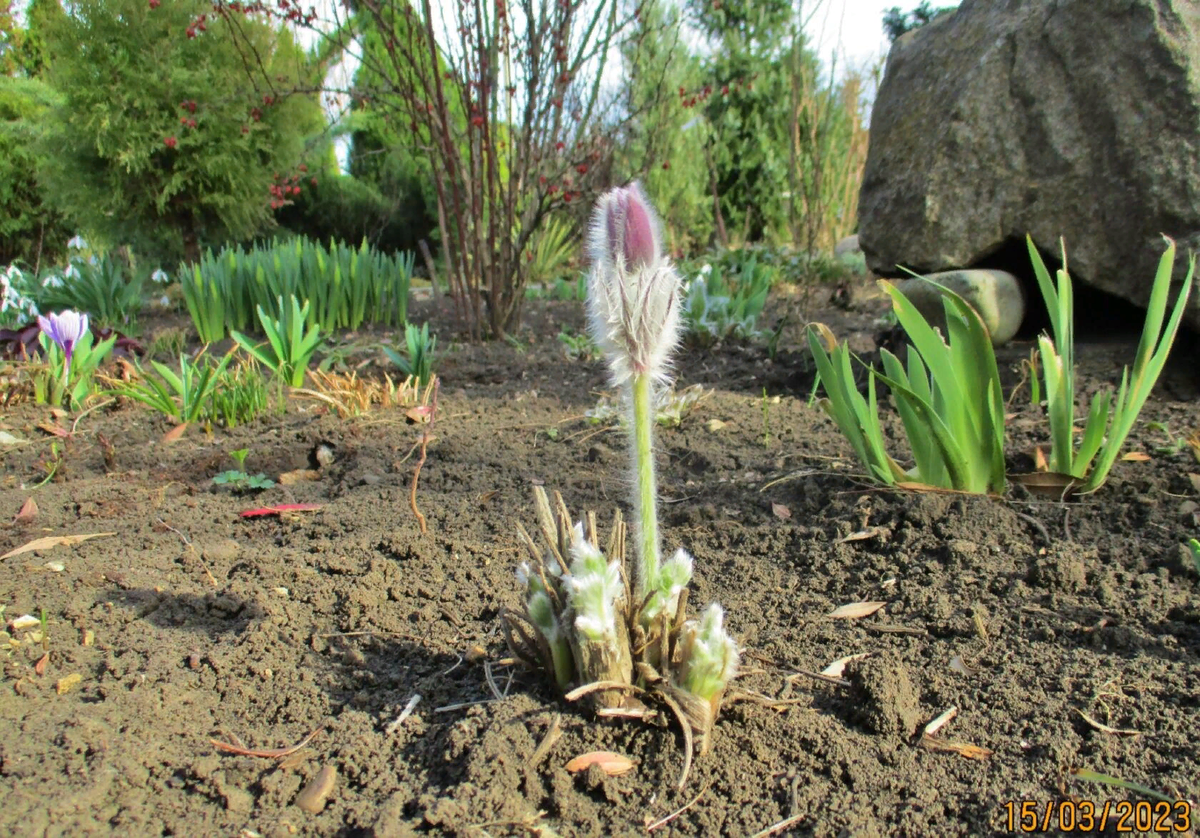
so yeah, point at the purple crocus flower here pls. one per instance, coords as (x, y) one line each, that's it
(65, 329)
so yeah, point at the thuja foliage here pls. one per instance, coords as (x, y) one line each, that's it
(30, 229)
(175, 120)
(897, 22)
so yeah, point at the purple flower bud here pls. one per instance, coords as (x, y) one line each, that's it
(633, 289)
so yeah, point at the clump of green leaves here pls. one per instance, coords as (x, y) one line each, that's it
(417, 359)
(107, 287)
(184, 396)
(1109, 421)
(578, 346)
(343, 286)
(948, 396)
(167, 343)
(719, 306)
(240, 395)
(289, 347)
(238, 480)
(553, 248)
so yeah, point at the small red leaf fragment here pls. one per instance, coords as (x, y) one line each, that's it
(29, 511)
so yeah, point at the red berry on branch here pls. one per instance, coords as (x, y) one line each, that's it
(567, 197)
(169, 142)
(245, 129)
(581, 168)
(666, 164)
(560, 145)
(191, 33)
(313, 181)
(302, 167)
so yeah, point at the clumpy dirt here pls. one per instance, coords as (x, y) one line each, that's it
(186, 623)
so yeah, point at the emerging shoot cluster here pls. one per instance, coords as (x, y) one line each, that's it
(607, 628)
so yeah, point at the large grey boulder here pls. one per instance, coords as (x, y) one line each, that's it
(1077, 119)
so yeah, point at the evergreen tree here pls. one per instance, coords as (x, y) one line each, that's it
(177, 127)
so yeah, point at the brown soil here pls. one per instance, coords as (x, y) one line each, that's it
(189, 623)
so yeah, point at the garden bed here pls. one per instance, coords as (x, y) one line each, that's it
(1047, 625)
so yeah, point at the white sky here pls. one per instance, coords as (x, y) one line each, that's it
(854, 28)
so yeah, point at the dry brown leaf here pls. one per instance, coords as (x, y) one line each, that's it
(835, 669)
(59, 413)
(312, 799)
(68, 683)
(862, 535)
(46, 542)
(780, 511)
(611, 764)
(1039, 460)
(54, 430)
(29, 511)
(714, 425)
(40, 666)
(825, 334)
(300, 475)
(1103, 728)
(175, 434)
(1136, 457)
(963, 749)
(1048, 483)
(419, 415)
(1195, 481)
(854, 610)
(1193, 441)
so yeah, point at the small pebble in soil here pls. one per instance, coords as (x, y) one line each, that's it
(314, 796)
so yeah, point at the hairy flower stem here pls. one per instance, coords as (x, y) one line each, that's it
(644, 574)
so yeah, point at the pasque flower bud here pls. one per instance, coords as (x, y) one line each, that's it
(633, 289)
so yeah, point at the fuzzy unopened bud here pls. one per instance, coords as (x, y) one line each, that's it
(593, 586)
(633, 304)
(708, 656)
